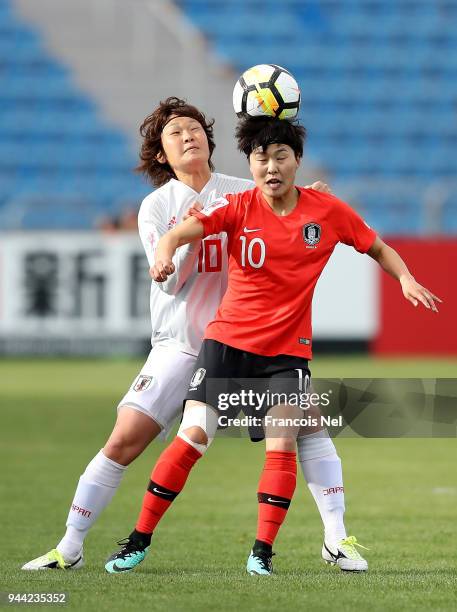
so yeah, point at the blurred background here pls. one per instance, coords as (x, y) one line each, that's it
(379, 91)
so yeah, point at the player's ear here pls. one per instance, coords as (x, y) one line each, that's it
(161, 158)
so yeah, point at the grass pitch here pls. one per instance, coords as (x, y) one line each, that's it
(401, 498)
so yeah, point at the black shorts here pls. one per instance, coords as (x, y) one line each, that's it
(231, 380)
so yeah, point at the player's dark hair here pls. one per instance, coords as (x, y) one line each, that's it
(254, 132)
(151, 131)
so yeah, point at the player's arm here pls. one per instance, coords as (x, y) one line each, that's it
(219, 217)
(393, 264)
(186, 232)
(152, 224)
(184, 262)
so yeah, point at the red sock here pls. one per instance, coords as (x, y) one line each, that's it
(276, 488)
(167, 480)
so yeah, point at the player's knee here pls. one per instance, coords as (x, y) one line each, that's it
(198, 426)
(115, 451)
(197, 435)
(131, 435)
(286, 445)
(122, 449)
(192, 435)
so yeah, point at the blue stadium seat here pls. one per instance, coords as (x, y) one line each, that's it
(61, 165)
(39, 212)
(378, 80)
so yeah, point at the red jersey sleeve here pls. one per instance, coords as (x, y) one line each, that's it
(219, 217)
(352, 229)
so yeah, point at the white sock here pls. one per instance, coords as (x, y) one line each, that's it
(321, 468)
(94, 492)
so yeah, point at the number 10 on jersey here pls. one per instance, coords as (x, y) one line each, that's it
(254, 250)
(210, 254)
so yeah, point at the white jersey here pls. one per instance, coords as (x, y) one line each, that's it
(183, 305)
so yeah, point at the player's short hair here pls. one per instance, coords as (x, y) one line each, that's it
(151, 131)
(254, 132)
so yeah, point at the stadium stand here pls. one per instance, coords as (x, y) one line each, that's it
(379, 89)
(61, 164)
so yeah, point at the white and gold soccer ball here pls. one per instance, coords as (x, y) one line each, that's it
(266, 90)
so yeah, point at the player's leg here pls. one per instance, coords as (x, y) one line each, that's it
(151, 404)
(322, 470)
(172, 469)
(196, 432)
(102, 477)
(97, 486)
(276, 486)
(168, 477)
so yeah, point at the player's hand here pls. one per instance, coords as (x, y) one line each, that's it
(197, 207)
(415, 293)
(161, 270)
(319, 186)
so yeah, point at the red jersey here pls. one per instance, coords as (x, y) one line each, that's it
(274, 265)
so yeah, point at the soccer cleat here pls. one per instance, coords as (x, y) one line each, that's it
(260, 564)
(345, 555)
(126, 559)
(53, 560)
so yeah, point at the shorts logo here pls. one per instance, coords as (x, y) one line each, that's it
(311, 233)
(198, 377)
(142, 383)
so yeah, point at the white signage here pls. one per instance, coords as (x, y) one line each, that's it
(90, 292)
(73, 285)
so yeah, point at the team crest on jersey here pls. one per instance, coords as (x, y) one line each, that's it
(311, 233)
(142, 383)
(198, 377)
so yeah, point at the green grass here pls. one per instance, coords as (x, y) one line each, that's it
(401, 499)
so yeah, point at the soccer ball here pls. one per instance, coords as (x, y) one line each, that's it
(266, 90)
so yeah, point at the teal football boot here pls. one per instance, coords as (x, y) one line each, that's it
(127, 558)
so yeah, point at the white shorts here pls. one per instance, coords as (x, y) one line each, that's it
(161, 386)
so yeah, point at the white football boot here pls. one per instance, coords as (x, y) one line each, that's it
(345, 555)
(53, 560)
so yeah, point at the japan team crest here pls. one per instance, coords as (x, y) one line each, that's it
(142, 383)
(311, 233)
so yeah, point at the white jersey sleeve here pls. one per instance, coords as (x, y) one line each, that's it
(182, 307)
(152, 225)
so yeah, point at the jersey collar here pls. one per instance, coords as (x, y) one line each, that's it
(300, 201)
(206, 187)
